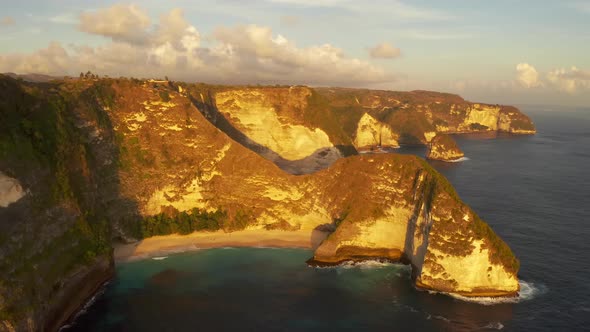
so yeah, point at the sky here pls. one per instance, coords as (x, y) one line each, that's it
(516, 52)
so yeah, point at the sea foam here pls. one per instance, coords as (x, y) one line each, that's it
(458, 160)
(528, 291)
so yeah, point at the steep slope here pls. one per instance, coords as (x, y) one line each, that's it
(54, 234)
(305, 129)
(398, 207)
(371, 133)
(87, 161)
(418, 115)
(444, 148)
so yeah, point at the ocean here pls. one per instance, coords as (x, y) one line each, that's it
(533, 190)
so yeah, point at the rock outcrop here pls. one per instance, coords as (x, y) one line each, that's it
(371, 133)
(414, 216)
(10, 190)
(121, 159)
(254, 113)
(296, 127)
(444, 148)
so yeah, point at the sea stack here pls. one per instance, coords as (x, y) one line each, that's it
(444, 148)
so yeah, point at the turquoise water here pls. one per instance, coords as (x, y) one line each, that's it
(258, 289)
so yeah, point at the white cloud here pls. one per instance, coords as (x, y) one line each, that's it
(384, 51)
(527, 75)
(570, 81)
(241, 54)
(119, 22)
(51, 60)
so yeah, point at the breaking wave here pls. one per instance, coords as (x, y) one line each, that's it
(365, 265)
(159, 258)
(370, 264)
(528, 291)
(459, 160)
(494, 326)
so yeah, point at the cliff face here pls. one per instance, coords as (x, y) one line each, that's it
(371, 133)
(84, 162)
(303, 130)
(444, 148)
(55, 184)
(417, 116)
(409, 212)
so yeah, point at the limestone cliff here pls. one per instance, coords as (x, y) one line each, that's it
(444, 148)
(371, 133)
(418, 115)
(410, 213)
(85, 162)
(304, 130)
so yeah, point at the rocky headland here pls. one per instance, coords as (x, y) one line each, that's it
(88, 163)
(444, 148)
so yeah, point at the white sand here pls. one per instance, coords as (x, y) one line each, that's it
(163, 245)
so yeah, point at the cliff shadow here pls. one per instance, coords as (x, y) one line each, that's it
(318, 160)
(414, 255)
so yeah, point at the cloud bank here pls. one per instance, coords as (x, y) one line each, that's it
(173, 47)
(527, 75)
(571, 80)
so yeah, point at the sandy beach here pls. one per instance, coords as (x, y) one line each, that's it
(163, 245)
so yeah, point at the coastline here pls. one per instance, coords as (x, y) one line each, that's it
(175, 243)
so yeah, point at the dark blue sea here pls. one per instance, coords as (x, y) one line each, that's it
(533, 190)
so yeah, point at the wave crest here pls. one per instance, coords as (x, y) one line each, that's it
(459, 160)
(528, 291)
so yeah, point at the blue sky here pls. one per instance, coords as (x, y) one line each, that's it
(491, 51)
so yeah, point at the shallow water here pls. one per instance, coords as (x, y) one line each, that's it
(533, 190)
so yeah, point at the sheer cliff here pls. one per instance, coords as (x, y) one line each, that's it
(87, 162)
(305, 129)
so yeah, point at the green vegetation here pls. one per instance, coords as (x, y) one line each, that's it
(410, 124)
(182, 222)
(164, 95)
(171, 221)
(500, 252)
(40, 143)
(131, 153)
(339, 122)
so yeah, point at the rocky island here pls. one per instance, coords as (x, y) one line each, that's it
(444, 148)
(90, 162)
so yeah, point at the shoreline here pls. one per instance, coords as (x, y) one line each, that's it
(169, 244)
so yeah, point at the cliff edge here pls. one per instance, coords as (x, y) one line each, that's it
(85, 163)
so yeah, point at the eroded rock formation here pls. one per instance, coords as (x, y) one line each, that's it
(294, 122)
(372, 133)
(444, 148)
(113, 158)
